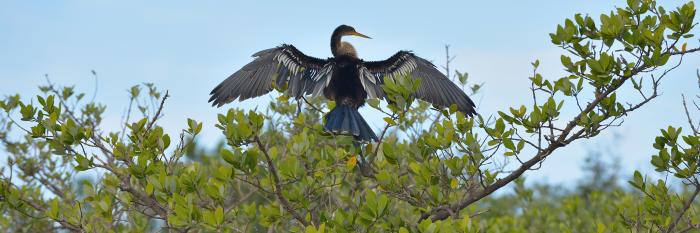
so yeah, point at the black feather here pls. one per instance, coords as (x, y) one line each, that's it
(255, 78)
(435, 87)
(345, 119)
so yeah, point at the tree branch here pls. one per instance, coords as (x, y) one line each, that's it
(278, 188)
(160, 108)
(439, 213)
(686, 206)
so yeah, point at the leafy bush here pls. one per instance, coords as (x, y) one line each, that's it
(432, 171)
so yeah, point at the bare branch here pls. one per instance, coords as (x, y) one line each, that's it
(157, 115)
(686, 206)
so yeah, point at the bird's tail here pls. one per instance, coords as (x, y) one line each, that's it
(345, 119)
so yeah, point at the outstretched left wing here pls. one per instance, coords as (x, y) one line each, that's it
(285, 66)
(435, 87)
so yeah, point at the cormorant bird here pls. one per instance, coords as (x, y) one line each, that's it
(344, 78)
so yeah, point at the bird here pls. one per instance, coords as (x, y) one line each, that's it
(343, 78)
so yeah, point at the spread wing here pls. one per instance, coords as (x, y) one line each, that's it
(434, 88)
(284, 66)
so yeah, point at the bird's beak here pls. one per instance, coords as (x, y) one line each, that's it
(360, 35)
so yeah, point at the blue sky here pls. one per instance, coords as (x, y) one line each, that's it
(188, 48)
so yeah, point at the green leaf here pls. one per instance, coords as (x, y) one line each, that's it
(601, 228)
(508, 144)
(638, 181)
(389, 121)
(500, 126)
(388, 152)
(83, 163)
(219, 215)
(53, 209)
(229, 157)
(149, 189)
(213, 191)
(373, 102)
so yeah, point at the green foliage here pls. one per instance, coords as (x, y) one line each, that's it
(433, 169)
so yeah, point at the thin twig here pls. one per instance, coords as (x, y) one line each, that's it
(160, 108)
(687, 114)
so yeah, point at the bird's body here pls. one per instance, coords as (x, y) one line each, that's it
(345, 86)
(343, 78)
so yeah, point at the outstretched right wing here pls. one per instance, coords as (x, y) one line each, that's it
(435, 87)
(285, 66)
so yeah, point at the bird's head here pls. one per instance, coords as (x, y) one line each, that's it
(345, 30)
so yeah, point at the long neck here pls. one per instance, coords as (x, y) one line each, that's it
(335, 44)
